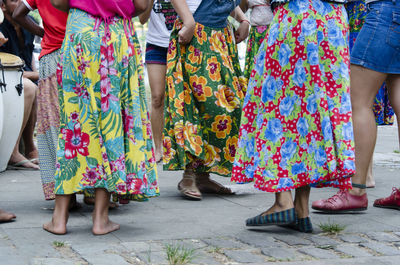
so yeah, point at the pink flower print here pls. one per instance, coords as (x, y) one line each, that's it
(76, 141)
(74, 116)
(105, 157)
(121, 188)
(127, 119)
(59, 74)
(91, 176)
(79, 50)
(105, 88)
(82, 65)
(125, 61)
(136, 186)
(78, 89)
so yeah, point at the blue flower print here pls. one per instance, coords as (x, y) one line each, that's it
(335, 35)
(312, 54)
(349, 164)
(299, 76)
(273, 35)
(298, 168)
(288, 149)
(347, 131)
(320, 156)
(327, 129)
(285, 183)
(321, 7)
(250, 147)
(308, 26)
(315, 176)
(345, 104)
(331, 104)
(249, 171)
(284, 54)
(269, 89)
(302, 126)
(348, 153)
(274, 130)
(298, 7)
(287, 105)
(260, 120)
(268, 175)
(312, 104)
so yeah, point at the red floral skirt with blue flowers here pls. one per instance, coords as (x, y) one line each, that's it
(296, 126)
(105, 139)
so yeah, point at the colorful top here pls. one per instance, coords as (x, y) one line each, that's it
(162, 18)
(54, 22)
(274, 3)
(261, 13)
(105, 8)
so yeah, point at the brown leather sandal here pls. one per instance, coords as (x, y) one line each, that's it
(189, 192)
(220, 189)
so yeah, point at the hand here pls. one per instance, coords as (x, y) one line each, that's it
(185, 35)
(2, 39)
(242, 31)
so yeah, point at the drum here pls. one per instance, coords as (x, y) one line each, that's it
(11, 104)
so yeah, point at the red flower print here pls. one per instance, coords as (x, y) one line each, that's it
(75, 141)
(91, 176)
(74, 116)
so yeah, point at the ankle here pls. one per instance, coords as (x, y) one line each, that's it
(357, 191)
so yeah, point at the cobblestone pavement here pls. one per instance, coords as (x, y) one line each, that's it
(213, 228)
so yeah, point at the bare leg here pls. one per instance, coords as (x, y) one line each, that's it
(58, 224)
(283, 201)
(29, 98)
(365, 84)
(301, 201)
(370, 176)
(90, 201)
(6, 217)
(394, 98)
(27, 134)
(101, 223)
(207, 185)
(156, 73)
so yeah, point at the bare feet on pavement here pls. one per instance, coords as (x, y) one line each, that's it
(6, 216)
(102, 226)
(56, 226)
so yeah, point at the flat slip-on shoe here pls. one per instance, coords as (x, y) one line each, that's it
(279, 218)
(303, 225)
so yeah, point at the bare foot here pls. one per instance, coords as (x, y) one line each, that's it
(6, 217)
(158, 157)
(33, 156)
(103, 226)
(58, 227)
(207, 185)
(90, 201)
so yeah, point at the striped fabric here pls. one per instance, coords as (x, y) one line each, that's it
(279, 218)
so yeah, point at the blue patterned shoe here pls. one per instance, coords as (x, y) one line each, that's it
(301, 224)
(279, 218)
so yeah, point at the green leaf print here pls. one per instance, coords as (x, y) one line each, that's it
(73, 100)
(69, 168)
(92, 162)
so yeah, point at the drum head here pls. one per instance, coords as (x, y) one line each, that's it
(1, 16)
(8, 60)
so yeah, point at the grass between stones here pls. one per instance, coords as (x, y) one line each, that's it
(331, 228)
(179, 255)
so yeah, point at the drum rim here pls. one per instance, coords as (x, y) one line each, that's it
(17, 64)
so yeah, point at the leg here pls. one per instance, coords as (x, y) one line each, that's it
(394, 97)
(156, 73)
(187, 186)
(283, 201)
(301, 200)
(207, 185)
(101, 223)
(6, 217)
(29, 98)
(370, 177)
(31, 151)
(365, 84)
(58, 224)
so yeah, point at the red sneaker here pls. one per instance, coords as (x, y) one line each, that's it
(393, 201)
(342, 202)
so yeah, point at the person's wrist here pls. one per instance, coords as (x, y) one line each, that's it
(244, 20)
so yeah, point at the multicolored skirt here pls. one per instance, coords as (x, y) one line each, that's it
(296, 127)
(256, 36)
(203, 99)
(105, 138)
(48, 121)
(384, 114)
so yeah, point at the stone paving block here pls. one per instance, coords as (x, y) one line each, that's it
(105, 259)
(187, 243)
(349, 238)
(13, 259)
(280, 253)
(257, 240)
(318, 253)
(293, 240)
(137, 247)
(322, 240)
(204, 258)
(243, 256)
(383, 237)
(224, 242)
(52, 261)
(153, 257)
(353, 251)
(381, 248)
(97, 248)
(397, 233)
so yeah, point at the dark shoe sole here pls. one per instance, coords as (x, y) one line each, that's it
(388, 207)
(341, 211)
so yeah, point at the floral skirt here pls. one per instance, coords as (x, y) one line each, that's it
(384, 114)
(204, 92)
(256, 36)
(296, 127)
(105, 138)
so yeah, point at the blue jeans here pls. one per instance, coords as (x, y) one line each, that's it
(378, 45)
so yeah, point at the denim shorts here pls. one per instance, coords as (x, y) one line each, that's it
(378, 44)
(155, 54)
